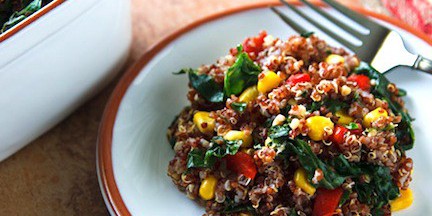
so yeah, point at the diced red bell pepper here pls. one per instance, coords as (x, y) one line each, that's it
(241, 163)
(363, 81)
(298, 78)
(254, 44)
(338, 134)
(326, 201)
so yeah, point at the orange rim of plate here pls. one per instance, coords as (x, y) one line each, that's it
(36, 15)
(105, 167)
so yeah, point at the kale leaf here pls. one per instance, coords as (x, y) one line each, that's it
(200, 158)
(376, 191)
(239, 208)
(344, 168)
(19, 16)
(345, 197)
(232, 207)
(242, 74)
(239, 107)
(196, 159)
(183, 71)
(402, 92)
(205, 85)
(404, 131)
(310, 162)
(307, 34)
(293, 212)
(352, 126)
(379, 188)
(172, 142)
(279, 131)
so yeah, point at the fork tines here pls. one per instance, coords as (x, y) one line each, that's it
(347, 12)
(289, 21)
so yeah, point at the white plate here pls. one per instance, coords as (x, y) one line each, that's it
(136, 180)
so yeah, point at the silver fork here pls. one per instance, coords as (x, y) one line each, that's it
(381, 47)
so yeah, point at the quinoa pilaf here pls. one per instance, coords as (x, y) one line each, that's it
(293, 127)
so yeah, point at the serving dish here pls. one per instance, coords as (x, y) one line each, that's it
(133, 152)
(56, 59)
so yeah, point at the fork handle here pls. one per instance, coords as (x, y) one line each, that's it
(423, 64)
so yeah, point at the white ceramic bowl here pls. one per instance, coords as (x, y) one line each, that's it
(133, 152)
(55, 60)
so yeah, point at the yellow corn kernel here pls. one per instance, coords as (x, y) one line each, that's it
(373, 116)
(302, 182)
(345, 90)
(318, 125)
(267, 141)
(208, 187)
(334, 59)
(292, 101)
(203, 121)
(249, 94)
(269, 81)
(239, 135)
(404, 201)
(344, 118)
(278, 120)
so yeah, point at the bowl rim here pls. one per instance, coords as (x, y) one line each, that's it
(36, 15)
(104, 164)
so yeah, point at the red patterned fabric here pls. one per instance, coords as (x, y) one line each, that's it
(417, 13)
